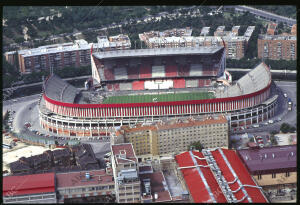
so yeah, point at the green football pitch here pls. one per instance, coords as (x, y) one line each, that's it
(158, 98)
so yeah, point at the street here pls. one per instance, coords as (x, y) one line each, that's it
(286, 116)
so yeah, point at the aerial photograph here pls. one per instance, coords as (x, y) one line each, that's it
(149, 104)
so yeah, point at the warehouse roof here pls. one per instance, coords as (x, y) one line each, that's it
(270, 159)
(202, 181)
(28, 184)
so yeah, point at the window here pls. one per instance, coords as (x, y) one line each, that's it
(287, 174)
(259, 177)
(273, 175)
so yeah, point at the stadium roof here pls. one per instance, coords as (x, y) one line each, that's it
(28, 184)
(203, 50)
(203, 183)
(270, 160)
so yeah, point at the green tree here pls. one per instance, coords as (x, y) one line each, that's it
(273, 140)
(197, 145)
(285, 127)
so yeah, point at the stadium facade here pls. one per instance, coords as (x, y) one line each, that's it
(146, 85)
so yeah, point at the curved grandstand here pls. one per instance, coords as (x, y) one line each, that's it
(133, 98)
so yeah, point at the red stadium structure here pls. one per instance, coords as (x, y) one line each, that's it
(79, 114)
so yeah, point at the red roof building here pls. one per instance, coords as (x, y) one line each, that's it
(124, 151)
(27, 186)
(218, 176)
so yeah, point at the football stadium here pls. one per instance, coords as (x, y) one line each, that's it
(148, 85)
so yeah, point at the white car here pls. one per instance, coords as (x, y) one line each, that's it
(285, 95)
(256, 125)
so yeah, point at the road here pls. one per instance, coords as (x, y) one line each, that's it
(286, 116)
(265, 14)
(39, 83)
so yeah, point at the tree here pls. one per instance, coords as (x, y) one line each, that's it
(285, 127)
(197, 145)
(273, 140)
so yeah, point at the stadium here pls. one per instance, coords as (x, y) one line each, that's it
(147, 85)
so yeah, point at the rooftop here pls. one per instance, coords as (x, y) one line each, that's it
(78, 179)
(270, 159)
(124, 151)
(178, 124)
(202, 181)
(277, 37)
(56, 48)
(204, 50)
(28, 184)
(158, 185)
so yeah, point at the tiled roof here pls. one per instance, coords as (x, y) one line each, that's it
(28, 184)
(191, 123)
(120, 148)
(270, 159)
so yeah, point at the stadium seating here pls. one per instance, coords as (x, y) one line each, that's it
(120, 73)
(201, 83)
(133, 73)
(125, 86)
(191, 83)
(109, 87)
(57, 89)
(158, 71)
(145, 71)
(108, 74)
(179, 83)
(207, 82)
(183, 71)
(138, 85)
(116, 86)
(196, 70)
(171, 71)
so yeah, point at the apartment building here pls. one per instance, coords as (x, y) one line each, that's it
(93, 184)
(277, 47)
(176, 136)
(125, 171)
(235, 45)
(80, 157)
(294, 30)
(167, 33)
(55, 56)
(271, 29)
(219, 31)
(204, 31)
(30, 189)
(11, 57)
(118, 42)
